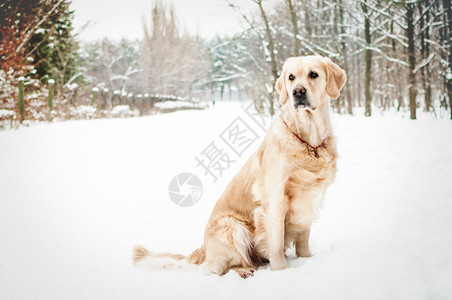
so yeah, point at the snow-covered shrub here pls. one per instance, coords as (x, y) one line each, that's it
(35, 97)
(178, 105)
(123, 111)
(83, 112)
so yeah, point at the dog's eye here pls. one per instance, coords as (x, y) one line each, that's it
(291, 77)
(313, 75)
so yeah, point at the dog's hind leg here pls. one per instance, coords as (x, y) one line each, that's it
(228, 246)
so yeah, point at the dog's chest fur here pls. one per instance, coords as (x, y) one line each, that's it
(307, 181)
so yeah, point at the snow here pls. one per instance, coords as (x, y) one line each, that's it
(167, 105)
(449, 75)
(77, 195)
(83, 112)
(122, 111)
(6, 113)
(40, 30)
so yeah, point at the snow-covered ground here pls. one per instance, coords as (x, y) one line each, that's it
(76, 196)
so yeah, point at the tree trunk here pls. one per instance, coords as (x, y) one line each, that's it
(271, 49)
(447, 6)
(358, 92)
(411, 59)
(428, 78)
(307, 18)
(425, 52)
(345, 57)
(368, 61)
(293, 15)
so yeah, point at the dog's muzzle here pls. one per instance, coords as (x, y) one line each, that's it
(300, 98)
(301, 102)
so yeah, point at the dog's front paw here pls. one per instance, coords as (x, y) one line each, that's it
(279, 265)
(304, 253)
(245, 272)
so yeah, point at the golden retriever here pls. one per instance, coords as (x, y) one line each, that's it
(272, 202)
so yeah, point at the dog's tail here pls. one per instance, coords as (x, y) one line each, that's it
(166, 261)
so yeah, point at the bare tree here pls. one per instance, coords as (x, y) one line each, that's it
(293, 18)
(397, 39)
(410, 8)
(171, 62)
(368, 59)
(424, 29)
(448, 38)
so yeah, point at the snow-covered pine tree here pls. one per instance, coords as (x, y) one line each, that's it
(53, 45)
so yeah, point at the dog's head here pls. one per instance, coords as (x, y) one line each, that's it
(306, 82)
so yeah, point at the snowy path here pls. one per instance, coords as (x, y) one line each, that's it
(76, 196)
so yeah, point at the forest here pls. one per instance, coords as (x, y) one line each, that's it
(397, 55)
(107, 143)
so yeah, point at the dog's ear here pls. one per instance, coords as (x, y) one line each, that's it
(282, 91)
(335, 79)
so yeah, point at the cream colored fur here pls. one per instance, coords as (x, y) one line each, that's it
(271, 203)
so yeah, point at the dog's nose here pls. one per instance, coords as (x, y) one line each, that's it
(299, 91)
